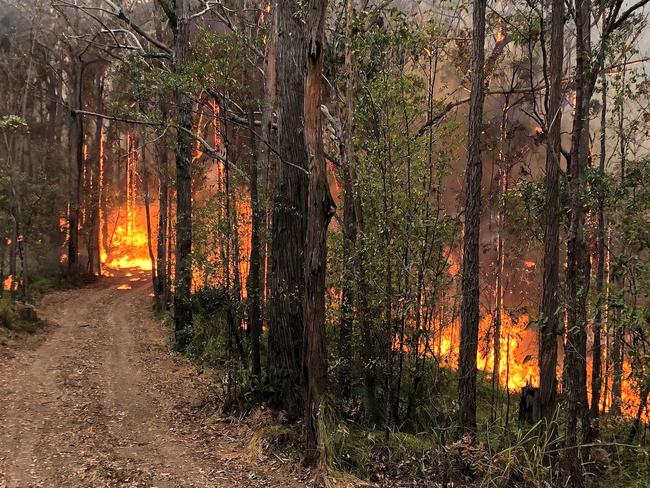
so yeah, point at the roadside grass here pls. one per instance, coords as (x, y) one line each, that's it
(423, 452)
(513, 456)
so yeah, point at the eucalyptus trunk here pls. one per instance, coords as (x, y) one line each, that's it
(470, 273)
(577, 278)
(76, 136)
(320, 210)
(289, 221)
(596, 366)
(549, 330)
(183, 271)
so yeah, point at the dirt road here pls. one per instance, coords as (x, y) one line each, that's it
(101, 401)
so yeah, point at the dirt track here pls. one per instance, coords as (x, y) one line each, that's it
(100, 401)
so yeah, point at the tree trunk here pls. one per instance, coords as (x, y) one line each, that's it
(470, 276)
(12, 260)
(254, 288)
(289, 217)
(76, 165)
(320, 210)
(549, 311)
(3, 254)
(105, 175)
(94, 247)
(264, 159)
(577, 281)
(596, 366)
(618, 354)
(171, 237)
(498, 308)
(232, 258)
(349, 219)
(161, 290)
(617, 360)
(183, 271)
(147, 211)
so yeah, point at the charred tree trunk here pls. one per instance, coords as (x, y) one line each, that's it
(320, 210)
(470, 276)
(289, 217)
(549, 311)
(183, 271)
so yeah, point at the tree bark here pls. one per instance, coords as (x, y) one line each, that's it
(161, 290)
(470, 276)
(498, 308)
(147, 211)
(320, 211)
(254, 287)
(549, 312)
(289, 217)
(264, 159)
(576, 278)
(618, 354)
(596, 366)
(183, 271)
(94, 246)
(75, 165)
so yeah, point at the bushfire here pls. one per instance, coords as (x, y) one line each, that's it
(127, 246)
(128, 241)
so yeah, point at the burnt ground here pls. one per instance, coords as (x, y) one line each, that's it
(97, 399)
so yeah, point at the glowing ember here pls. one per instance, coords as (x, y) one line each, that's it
(454, 266)
(500, 35)
(125, 286)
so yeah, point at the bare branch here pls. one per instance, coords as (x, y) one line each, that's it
(119, 13)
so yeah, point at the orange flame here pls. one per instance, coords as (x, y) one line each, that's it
(517, 365)
(128, 244)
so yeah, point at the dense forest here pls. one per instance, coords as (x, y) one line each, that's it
(417, 233)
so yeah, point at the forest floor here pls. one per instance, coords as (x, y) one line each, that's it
(97, 399)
